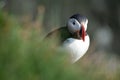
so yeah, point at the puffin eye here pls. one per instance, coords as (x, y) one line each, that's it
(74, 23)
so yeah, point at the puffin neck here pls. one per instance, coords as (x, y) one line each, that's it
(78, 35)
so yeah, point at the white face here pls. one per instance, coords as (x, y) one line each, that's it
(74, 25)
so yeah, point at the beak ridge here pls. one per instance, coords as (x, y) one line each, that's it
(83, 33)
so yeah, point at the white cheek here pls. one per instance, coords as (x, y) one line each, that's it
(73, 27)
(85, 25)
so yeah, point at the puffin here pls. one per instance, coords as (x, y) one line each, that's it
(73, 37)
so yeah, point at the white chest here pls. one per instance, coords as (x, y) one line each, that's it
(76, 48)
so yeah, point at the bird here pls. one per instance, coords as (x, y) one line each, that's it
(73, 37)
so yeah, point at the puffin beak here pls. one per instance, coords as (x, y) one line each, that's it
(83, 33)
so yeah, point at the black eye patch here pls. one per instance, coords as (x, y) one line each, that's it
(74, 23)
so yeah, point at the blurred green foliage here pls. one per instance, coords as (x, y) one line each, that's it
(24, 56)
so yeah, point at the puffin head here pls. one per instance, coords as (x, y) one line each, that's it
(77, 25)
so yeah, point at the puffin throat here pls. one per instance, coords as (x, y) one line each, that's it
(80, 34)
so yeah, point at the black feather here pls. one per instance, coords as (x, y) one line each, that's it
(80, 18)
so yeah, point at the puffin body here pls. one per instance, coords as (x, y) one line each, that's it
(73, 37)
(77, 48)
(61, 33)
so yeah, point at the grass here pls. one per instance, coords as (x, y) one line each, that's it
(24, 56)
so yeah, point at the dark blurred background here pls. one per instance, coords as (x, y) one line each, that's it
(103, 15)
(23, 24)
